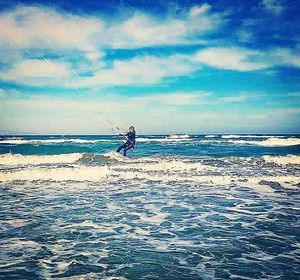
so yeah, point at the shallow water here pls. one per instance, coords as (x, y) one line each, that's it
(189, 208)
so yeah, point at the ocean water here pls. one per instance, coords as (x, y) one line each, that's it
(178, 207)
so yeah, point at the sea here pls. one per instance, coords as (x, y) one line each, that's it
(177, 207)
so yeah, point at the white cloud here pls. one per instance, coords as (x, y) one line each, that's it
(42, 30)
(284, 56)
(241, 97)
(143, 30)
(273, 6)
(148, 69)
(37, 72)
(43, 27)
(199, 10)
(241, 59)
(38, 68)
(174, 99)
(140, 70)
(230, 59)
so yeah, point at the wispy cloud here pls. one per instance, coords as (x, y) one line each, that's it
(273, 6)
(44, 28)
(26, 27)
(242, 59)
(230, 58)
(140, 70)
(37, 72)
(174, 99)
(241, 97)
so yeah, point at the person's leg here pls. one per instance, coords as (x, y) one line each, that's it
(121, 147)
(128, 147)
(125, 149)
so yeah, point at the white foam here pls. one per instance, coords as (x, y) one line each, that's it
(248, 136)
(270, 142)
(178, 136)
(287, 182)
(125, 172)
(283, 160)
(117, 156)
(169, 170)
(211, 136)
(156, 219)
(17, 159)
(170, 166)
(78, 173)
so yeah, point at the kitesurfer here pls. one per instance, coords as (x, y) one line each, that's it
(130, 140)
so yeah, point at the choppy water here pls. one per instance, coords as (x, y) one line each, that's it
(179, 207)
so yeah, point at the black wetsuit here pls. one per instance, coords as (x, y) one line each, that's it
(130, 143)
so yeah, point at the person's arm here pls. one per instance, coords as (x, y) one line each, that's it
(123, 134)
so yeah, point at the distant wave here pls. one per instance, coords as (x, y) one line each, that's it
(49, 141)
(17, 159)
(167, 139)
(248, 136)
(270, 142)
(211, 136)
(178, 136)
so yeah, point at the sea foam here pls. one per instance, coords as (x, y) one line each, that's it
(283, 160)
(79, 174)
(229, 136)
(17, 159)
(270, 142)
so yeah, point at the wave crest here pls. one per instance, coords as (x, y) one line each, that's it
(17, 159)
(270, 142)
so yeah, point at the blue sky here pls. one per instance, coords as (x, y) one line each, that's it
(164, 66)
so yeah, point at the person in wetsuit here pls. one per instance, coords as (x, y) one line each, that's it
(130, 143)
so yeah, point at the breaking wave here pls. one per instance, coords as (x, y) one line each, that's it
(79, 173)
(211, 136)
(270, 142)
(248, 136)
(113, 168)
(17, 159)
(178, 136)
(167, 174)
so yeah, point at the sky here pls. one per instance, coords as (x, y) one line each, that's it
(228, 66)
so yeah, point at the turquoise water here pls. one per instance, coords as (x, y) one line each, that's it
(178, 207)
